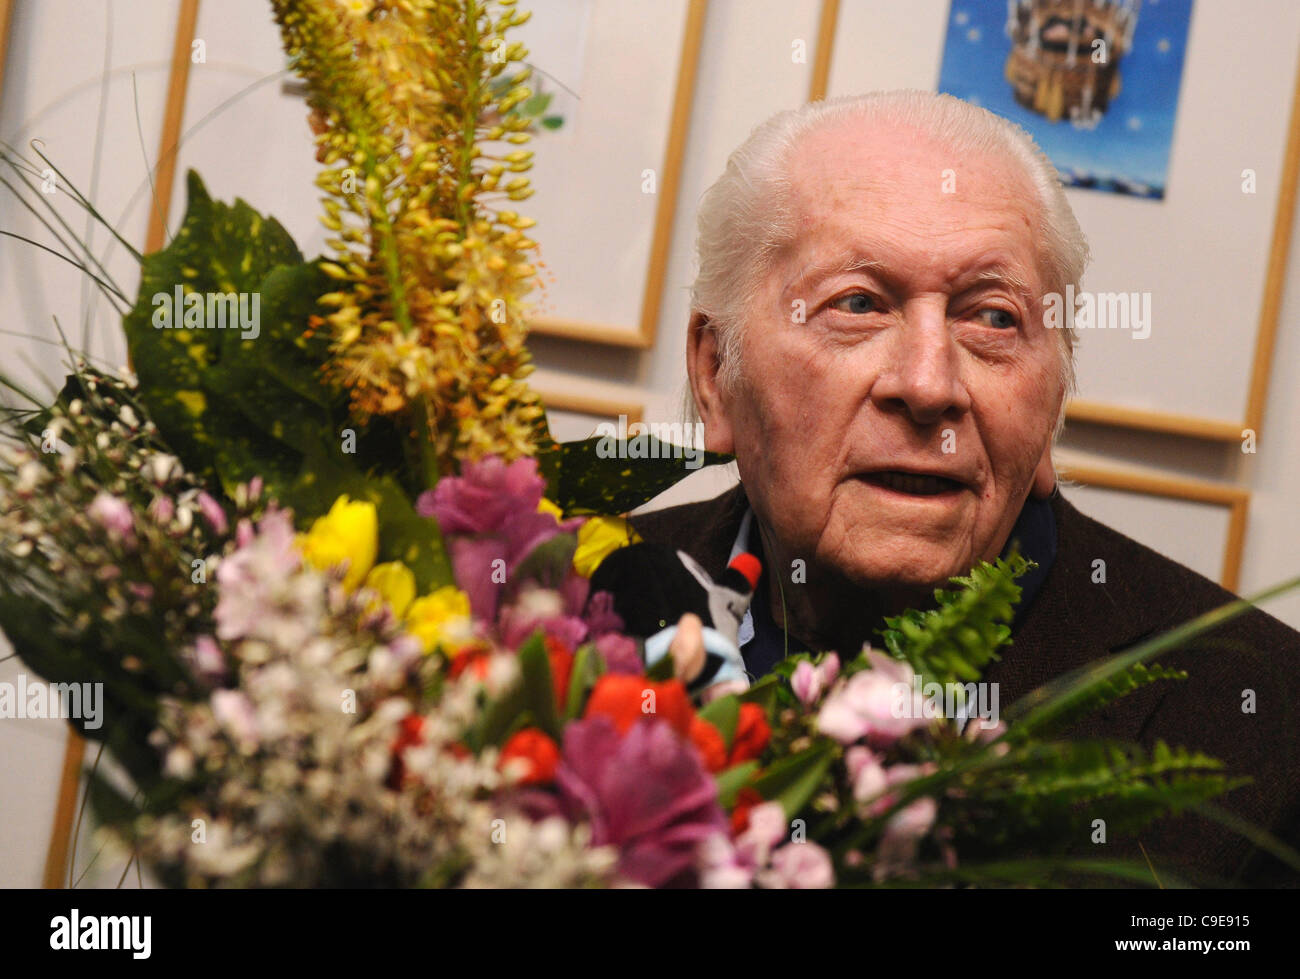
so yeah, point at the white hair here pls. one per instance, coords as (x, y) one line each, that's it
(747, 215)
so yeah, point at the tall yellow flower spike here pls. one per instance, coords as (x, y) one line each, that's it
(428, 320)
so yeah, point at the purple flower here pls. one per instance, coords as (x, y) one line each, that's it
(619, 653)
(600, 615)
(114, 515)
(539, 608)
(489, 514)
(645, 792)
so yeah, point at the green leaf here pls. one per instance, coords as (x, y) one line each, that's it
(1105, 691)
(498, 717)
(763, 693)
(732, 780)
(587, 668)
(724, 714)
(219, 249)
(794, 780)
(536, 104)
(600, 475)
(537, 685)
(662, 670)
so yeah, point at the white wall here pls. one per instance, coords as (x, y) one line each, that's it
(259, 148)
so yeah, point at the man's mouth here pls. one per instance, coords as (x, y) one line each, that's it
(912, 484)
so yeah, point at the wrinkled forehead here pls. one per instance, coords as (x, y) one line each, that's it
(891, 187)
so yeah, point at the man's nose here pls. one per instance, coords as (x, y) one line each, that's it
(922, 376)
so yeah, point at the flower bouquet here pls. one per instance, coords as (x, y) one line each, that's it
(334, 578)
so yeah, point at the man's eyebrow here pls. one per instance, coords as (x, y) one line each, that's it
(1001, 274)
(994, 272)
(851, 262)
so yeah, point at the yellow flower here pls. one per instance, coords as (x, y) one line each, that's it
(395, 584)
(597, 538)
(440, 619)
(349, 534)
(546, 506)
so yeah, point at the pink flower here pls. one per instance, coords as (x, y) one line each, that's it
(487, 496)
(800, 865)
(260, 594)
(644, 792)
(162, 509)
(234, 712)
(896, 852)
(809, 681)
(895, 775)
(720, 867)
(212, 513)
(489, 514)
(206, 660)
(866, 773)
(114, 515)
(865, 706)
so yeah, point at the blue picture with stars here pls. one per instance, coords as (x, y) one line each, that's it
(1095, 82)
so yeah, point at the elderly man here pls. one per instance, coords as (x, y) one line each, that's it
(867, 338)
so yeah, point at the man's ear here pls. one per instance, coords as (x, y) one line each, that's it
(702, 367)
(1044, 476)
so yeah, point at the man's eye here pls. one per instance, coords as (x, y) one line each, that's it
(855, 302)
(998, 318)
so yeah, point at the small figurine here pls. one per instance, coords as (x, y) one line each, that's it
(653, 587)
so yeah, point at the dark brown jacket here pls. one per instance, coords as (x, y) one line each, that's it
(1073, 621)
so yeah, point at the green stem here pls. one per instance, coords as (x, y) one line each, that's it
(382, 229)
(426, 447)
(469, 125)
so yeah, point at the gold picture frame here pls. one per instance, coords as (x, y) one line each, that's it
(1234, 498)
(642, 335)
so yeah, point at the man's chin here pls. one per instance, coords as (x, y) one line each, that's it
(902, 565)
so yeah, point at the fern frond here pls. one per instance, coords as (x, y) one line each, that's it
(955, 641)
(1105, 691)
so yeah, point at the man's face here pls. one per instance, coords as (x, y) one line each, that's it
(894, 434)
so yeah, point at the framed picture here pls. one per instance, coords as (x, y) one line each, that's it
(607, 159)
(1197, 239)
(575, 406)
